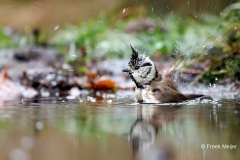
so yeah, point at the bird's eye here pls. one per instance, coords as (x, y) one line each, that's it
(137, 67)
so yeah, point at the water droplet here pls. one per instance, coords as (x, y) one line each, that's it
(124, 10)
(56, 27)
(39, 125)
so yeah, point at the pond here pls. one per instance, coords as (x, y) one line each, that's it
(116, 128)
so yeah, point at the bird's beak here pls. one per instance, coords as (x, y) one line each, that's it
(126, 70)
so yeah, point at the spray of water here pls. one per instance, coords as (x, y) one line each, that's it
(197, 42)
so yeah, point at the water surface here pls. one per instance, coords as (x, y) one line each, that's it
(61, 129)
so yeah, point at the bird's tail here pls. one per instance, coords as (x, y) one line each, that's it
(193, 96)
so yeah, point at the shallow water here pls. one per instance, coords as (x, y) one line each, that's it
(88, 128)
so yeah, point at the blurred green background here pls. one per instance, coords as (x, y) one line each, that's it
(191, 31)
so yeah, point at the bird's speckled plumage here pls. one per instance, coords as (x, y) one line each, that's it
(146, 71)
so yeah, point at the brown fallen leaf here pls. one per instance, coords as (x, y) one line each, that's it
(96, 84)
(104, 85)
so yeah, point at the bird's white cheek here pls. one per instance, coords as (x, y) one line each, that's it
(136, 76)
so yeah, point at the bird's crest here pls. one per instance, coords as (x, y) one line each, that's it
(136, 58)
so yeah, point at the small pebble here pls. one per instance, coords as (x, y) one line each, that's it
(91, 99)
(109, 101)
(70, 97)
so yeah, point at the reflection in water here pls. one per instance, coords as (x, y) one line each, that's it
(142, 134)
(144, 130)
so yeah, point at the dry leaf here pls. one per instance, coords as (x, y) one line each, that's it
(96, 84)
(104, 85)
